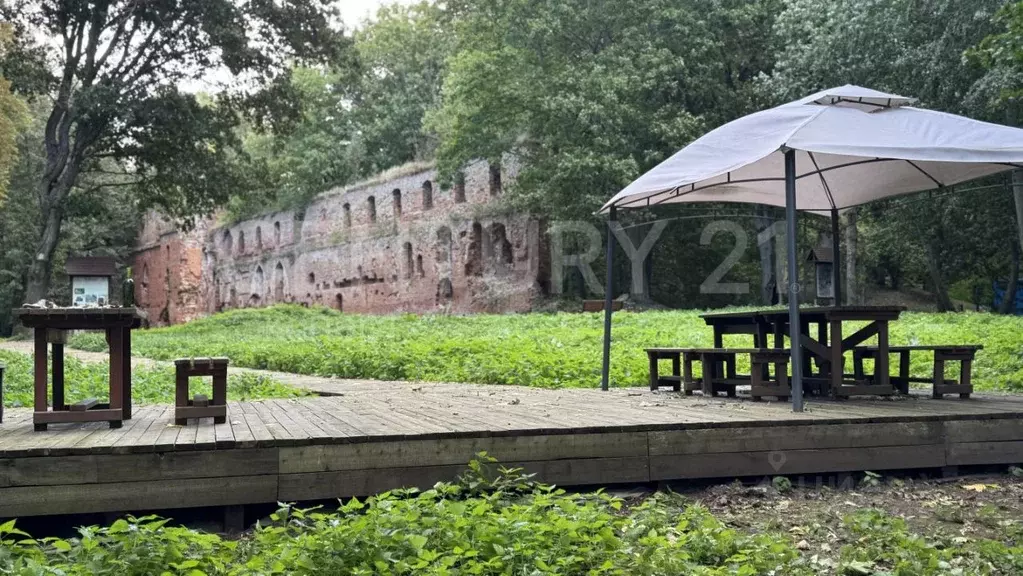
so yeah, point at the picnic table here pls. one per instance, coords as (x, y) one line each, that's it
(51, 326)
(827, 348)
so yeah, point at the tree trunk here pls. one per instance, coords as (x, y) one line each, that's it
(851, 292)
(944, 303)
(768, 259)
(1017, 195)
(1009, 301)
(636, 235)
(40, 271)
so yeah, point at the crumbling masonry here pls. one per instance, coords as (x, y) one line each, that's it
(392, 245)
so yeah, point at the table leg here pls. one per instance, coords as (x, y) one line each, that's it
(40, 379)
(126, 371)
(719, 341)
(58, 377)
(760, 341)
(116, 338)
(837, 357)
(822, 337)
(881, 374)
(654, 377)
(939, 376)
(965, 372)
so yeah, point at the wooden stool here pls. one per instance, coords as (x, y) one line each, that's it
(761, 384)
(200, 406)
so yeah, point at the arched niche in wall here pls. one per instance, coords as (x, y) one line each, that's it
(396, 200)
(277, 234)
(280, 283)
(227, 243)
(258, 290)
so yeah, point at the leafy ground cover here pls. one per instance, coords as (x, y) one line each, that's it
(547, 350)
(149, 385)
(506, 524)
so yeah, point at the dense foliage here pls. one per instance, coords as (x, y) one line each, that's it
(149, 385)
(113, 73)
(503, 523)
(588, 95)
(545, 350)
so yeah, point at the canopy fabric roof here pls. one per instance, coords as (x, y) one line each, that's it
(853, 145)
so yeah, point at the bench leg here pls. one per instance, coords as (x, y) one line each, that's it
(676, 371)
(687, 374)
(781, 374)
(904, 371)
(939, 376)
(707, 383)
(220, 394)
(180, 394)
(756, 379)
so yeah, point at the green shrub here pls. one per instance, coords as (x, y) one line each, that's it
(543, 350)
(506, 525)
(149, 385)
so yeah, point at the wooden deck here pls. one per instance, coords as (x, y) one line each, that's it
(377, 436)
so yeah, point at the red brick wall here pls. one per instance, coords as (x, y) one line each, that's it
(440, 250)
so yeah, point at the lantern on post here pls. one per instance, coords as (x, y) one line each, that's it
(823, 258)
(90, 280)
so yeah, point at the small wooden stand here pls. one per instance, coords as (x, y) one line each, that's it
(51, 326)
(200, 406)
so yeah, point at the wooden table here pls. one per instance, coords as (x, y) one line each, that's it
(829, 346)
(51, 326)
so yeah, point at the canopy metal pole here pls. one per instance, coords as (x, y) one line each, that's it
(793, 288)
(836, 244)
(605, 373)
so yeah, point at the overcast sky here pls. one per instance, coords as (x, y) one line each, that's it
(355, 11)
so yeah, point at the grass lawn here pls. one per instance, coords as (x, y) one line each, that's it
(148, 386)
(546, 350)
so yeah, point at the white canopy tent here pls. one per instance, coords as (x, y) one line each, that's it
(832, 150)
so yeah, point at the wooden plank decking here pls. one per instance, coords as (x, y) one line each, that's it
(379, 436)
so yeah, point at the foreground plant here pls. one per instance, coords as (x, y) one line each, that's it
(488, 522)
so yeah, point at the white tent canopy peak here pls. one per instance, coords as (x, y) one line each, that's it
(853, 145)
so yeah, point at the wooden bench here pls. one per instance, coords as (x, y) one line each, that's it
(719, 372)
(2, 368)
(200, 406)
(963, 354)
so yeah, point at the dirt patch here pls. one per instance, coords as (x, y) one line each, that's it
(816, 513)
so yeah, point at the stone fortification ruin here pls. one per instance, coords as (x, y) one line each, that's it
(398, 243)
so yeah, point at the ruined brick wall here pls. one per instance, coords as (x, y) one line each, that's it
(396, 245)
(167, 268)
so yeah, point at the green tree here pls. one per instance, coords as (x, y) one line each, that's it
(910, 47)
(114, 72)
(13, 118)
(591, 93)
(403, 53)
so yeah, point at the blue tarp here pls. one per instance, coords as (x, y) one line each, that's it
(1000, 287)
